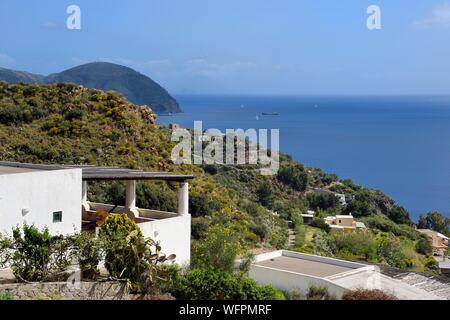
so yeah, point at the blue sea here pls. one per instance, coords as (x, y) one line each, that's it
(398, 144)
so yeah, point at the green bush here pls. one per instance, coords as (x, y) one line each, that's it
(319, 293)
(218, 250)
(322, 200)
(399, 215)
(199, 228)
(294, 176)
(265, 194)
(38, 255)
(423, 246)
(390, 251)
(89, 254)
(207, 284)
(6, 295)
(386, 225)
(11, 114)
(355, 245)
(156, 197)
(5, 251)
(201, 204)
(432, 264)
(321, 224)
(128, 255)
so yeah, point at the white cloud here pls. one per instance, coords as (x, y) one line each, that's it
(439, 17)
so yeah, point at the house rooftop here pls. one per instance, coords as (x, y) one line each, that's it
(310, 265)
(12, 170)
(91, 173)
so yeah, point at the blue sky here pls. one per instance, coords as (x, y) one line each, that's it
(251, 46)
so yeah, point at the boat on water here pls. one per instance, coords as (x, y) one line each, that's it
(270, 114)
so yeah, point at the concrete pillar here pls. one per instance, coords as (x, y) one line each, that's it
(130, 200)
(183, 199)
(84, 199)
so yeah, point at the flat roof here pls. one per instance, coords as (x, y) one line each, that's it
(308, 267)
(11, 170)
(92, 173)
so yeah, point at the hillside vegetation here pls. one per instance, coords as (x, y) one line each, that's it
(71, 124)
(135, 86)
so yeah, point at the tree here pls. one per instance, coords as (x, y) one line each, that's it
(422, 224)
(437, 222)
(294, 176)
(265, 194)
(423, 246)
(322, 200)
(399, 215)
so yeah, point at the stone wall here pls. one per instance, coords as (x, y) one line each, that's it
(81, 291)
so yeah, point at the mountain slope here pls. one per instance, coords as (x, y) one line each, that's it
(70, 124)
(136, 87)
(13, 76)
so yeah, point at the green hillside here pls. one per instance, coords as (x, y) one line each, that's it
(71, 124)
(135, 86)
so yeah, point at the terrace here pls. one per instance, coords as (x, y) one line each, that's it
(171, 229)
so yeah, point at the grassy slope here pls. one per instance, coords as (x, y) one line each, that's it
(74, 125)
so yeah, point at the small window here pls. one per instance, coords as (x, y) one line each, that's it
(57, 216)
(340, 221)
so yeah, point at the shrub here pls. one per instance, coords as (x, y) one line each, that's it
(38, 255)
(322, 200)
(399, 215)
(432, 264)
(319, 293)
(207, 284)
(321, 224)
(74, 114)
(359, 245)
(218, 250)
(128, 255)
(5, 251)
(201, 204)
(156, 197)
(423, 246)
(11, 114)
(199, 228)
(6, 295)
(89, 254)
(386, 225)
(390, 250)
(265, 194)
(294, 176)
(366, 294)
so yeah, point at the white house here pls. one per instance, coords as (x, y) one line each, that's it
(40, 197)
(55, 196)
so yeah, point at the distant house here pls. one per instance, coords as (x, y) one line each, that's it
(344, 223)
(308, 218)
(56, 196)
(439, 242)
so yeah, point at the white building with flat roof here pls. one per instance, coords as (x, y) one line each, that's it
(40, 197)
(56, 197)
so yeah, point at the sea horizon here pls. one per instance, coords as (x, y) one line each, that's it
(393, 143)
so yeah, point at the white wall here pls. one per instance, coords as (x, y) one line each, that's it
(291, 281)
(174, 234)
(42, 193)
